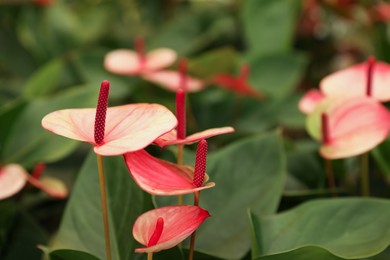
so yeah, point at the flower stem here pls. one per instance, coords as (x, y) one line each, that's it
(180, 162)
(103, 195)
(150, 256)
(192, 242)
(330, 176)
(364, 174)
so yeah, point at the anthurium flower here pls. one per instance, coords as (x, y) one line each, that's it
(370, 78)
(170, 80)
(13, 178)
(238, 84)
(310, 100)
(350, 127)
(164, 228)
(122, 129)
(160, 177)
(129, 62)
(171, 137)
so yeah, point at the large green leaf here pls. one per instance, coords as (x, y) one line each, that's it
(269, 25)
(348, 228)
(248, 174)
(24, 235)
(305, 253)
(65, 254)
(277, 74)
(214, 62)
(82, 224)
(44, 80)
(28, 143)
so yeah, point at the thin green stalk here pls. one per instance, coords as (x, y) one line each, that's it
(364, 175)
(330, 176)
(103, 195)
(192, 242)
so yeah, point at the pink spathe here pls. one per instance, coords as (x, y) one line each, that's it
(129, 63)
(310, 100)
(160, 177)
(352, 81)
(355, 126)
(171, 137)
(128, 127)
(179, 223)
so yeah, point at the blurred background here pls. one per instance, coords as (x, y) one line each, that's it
(52, 54)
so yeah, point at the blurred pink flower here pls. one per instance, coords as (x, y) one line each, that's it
(310, 100)
(169, 80)
(164, 228)
(350, 126)
(128, 62)
(122, 129)
(160, 177)
(238, 84)
(13, 178)
(370, 78)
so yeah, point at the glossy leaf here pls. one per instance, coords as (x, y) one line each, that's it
(65, 254)
(36, 144)
(269, 25)
(44, 80)
(276, 75)
(82, 224)
(348, 228)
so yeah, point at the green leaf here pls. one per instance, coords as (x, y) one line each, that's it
(214, 62)
(277, 74)
(269, 25)
(36, 144)
(248, 174)
(379, 154)
(24, 236)
(305, 253)
(71, 255)
(348, 228)
(8, 114)
(82, 224)
(44, 80)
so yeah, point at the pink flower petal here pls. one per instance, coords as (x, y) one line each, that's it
(160, 58)
(179, 223)
(310, 100)
(128, 128)
(351, 82)
(170, 137)
(51, 186)
(12, 180)
(122, 62)
(238, 85)
(355, 126)
(160, 177)
(170, 80)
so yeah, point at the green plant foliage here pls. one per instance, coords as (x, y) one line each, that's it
(35, 145)
(269, 25)
(349, 228)
(24, 235)
(277, 74)
(66, 254)
(43, 81)
(126, 203)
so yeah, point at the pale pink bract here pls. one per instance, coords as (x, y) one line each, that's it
(179, 223)
(128, 128)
